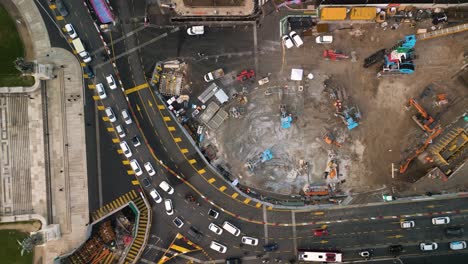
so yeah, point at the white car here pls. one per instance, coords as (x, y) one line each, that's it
(296, 39)
(407, 224)
(166, 187)
(120, 131)
(71, 31)
(126, 150)
(215, 229)
(101, 91)
(168, 206)
(428, 246)
(155, 195)
(126, 117)
(110, 114)
(136, 167)
(149, 168)
(196, 30)
(249, 241)
(441, 220)
(111, 81)
(324, 39)
(218, 247)
(287, 41)
(457, 245)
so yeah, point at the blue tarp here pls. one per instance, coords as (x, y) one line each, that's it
(286, 122)
(103, 11)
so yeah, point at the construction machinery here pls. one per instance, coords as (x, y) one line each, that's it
(330, 139)
(334, 55)
(258, 159)
(423, 119)
(316, 190)
(350, 116)
(286, 118)
(245, 75)
(399, 60)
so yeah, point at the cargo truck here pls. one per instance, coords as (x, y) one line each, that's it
(81, 50)
(213, 75)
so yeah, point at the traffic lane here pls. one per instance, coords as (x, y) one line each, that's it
(400, 210)
(56, 39)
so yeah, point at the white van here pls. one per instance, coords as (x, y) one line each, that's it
(231, 228)
(168, 206)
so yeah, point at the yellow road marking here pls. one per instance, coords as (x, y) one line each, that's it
(52, 6)
(120, 151)
(105, 118)
(110, 129)
(176, 140)
(222, 188)
(202, 171)
(234, 195)
(258, 205)
(135, 182)
(91, 86)
(171, 128)
(82, 64)
(184, 151)
(179, 248)
(100, 107)
(86, 76)
(192, 161)
(125, 162)
(149, 103)
(115, 140)
(166, 118)
(136, 88)
(211, 180)
(59, 18)
(270, 208)
(130, 172)
(95, 97)
(319, 213)
(247, 200)
(161, 107)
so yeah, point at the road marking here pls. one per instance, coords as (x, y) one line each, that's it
(319, 213)
(120, 151)
(202, 171)
(136, 88)
(100, 107)
(258, 205)
(294, 232)
(222, 188)
(115, 140)
(192, 161)
(130, 172)
(176, 140)
(171, 128)
(105, 118)
(110, 129)
(161, 107)
(234, 195)
(95, 97)
(125, 162)
(211, 180)
(270, 208)
(52, 6)
(247, 200)
(265, 226)
(91, 86)
(184, 151)
(166, 118)
(59, 18)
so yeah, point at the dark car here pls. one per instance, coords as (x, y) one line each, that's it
(456, 231)
(213, 213)
(136, 141)
(88, 71)
(270, 247)
(61, 8)
(233, 261)
(395, 249)
(146, 182)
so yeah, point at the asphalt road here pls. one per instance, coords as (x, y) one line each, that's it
(135, 54)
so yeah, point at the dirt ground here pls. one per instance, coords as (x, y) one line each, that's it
(385, 134)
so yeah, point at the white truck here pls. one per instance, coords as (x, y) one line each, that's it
(81, 50)
(213, 75)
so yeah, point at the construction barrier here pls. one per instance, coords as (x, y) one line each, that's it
(363, 13)
(333, 13)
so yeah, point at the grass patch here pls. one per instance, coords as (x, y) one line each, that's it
(10, 251)
(11, 47)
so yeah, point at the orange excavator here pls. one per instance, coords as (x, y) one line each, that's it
(428, 141)
(424, 120)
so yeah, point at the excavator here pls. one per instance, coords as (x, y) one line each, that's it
(428, 141)
(424, 120)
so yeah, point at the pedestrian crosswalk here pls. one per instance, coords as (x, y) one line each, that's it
(261, 3)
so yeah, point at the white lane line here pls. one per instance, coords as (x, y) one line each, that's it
(293, 223)
(265, 226)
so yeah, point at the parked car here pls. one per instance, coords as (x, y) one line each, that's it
(126, 117)
(213, 213)
(196, 30)
(218, 247)
(101, 91)
(136, 167)
(111, 81)
(61, 8)
(215, 229)
(296, 39)
(249, 240)
(457, 245)
(428, 246)
(155, 195)
(407, 224)
(125, 149)
(136, 141)
(71, 31)
(456, 231)
(287, 41)
(149, 168)
(88, 71)
(168, 206)
(178, 222)
(166, 187)
(324, 39)
(146, 182)
(270, 247)
(110, 114)
(441, 220)
(120, 131)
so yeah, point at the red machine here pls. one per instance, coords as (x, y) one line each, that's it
(320, 232)
(245, 75)
(334, 55)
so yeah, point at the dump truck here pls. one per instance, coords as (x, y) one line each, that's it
(81, 50)
(213, 75)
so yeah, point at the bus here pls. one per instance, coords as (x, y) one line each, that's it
(320, 256)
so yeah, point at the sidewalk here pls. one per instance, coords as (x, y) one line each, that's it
(60, 104)
(247, 9)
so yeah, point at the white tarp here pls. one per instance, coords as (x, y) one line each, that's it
(221, 96)
(296, 74)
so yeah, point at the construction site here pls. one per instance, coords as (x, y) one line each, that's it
(380, 108)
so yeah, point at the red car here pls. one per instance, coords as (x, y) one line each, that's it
(245, 74)
(320, 232)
